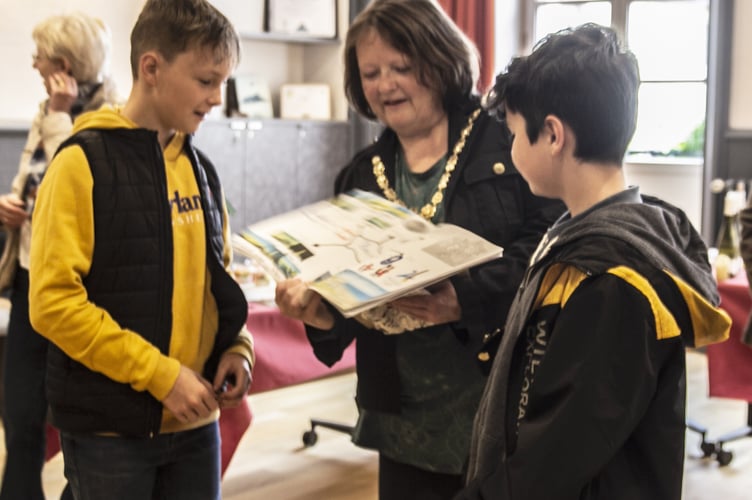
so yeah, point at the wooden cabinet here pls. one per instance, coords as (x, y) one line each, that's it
(268, 167)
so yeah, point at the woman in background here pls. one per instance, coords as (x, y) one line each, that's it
(408, 66)
(72, 57)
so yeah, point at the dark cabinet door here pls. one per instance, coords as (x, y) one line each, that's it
(269, 167)
(324, 148)
(224, 142)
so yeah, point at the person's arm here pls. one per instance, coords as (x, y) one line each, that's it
(328, 331)
(487, 290)
(56, 121)
(599, 374)
(44, 130)
(243, 345)
(61, 255)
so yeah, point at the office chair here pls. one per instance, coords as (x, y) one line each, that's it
(724, 457)
(708, 448)
(310, 437)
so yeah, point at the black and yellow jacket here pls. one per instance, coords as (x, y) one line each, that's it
(586, 395)
(128, 279)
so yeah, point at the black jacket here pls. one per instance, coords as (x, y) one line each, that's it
(131, 277)
(486, 195)
(586, 396)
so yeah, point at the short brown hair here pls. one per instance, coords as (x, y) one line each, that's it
(171, 27)
(445, 59)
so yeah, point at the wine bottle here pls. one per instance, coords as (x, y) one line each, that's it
(729, 260)
(232, 107)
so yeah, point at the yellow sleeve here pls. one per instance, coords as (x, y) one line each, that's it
(62, 245)
(226, 234)
(244, 343)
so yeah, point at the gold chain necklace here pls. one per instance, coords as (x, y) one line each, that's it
(429, 209)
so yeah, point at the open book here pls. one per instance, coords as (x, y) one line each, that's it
(359, 250)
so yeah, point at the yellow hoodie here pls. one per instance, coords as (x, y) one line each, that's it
(61, 256)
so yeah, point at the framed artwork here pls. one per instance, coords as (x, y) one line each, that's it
(305, 101)
(247, 16)
(254, 97)
(303, 18)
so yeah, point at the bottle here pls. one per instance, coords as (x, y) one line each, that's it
(729, 260)
(232, 107)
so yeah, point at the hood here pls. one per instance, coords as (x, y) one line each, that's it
(646, 231)
(106, 117)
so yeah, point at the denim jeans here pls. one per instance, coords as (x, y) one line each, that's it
(182, 465)
(25, 402)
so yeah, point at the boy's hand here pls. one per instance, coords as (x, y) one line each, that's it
(191, 398)
(233, 380)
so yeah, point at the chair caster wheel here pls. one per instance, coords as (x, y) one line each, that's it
(310, 438)
(724, 457)
(708, 449)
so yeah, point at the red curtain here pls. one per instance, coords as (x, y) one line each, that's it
(476, 19)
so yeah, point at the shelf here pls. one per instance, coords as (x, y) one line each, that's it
(288, 38)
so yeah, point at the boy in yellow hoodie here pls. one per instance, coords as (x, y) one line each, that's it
(128, 274)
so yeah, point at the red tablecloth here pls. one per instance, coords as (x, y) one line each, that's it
(283, 357)
(730, 362)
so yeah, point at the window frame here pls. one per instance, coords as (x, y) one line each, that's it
(619, 20)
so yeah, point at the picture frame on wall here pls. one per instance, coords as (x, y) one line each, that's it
(302, 18)
(305, 101)
(247, 16)
(254, 96)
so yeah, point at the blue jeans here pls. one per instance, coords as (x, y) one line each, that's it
(183, 465)
(25, 402)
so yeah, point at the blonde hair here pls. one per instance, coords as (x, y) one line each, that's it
(80, 39)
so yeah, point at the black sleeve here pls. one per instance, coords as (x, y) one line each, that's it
(600, 372)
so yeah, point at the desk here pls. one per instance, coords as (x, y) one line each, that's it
(730, 362)
(283, 357)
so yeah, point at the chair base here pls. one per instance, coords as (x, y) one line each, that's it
(709, 449)
(310, 437)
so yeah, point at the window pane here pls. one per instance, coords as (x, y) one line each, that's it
(671, 119)
(553, 17)
(670, 39)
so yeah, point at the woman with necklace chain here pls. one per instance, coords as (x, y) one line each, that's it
(408, 66)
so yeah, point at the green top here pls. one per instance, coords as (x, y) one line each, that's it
(441, 385)
(415, 190)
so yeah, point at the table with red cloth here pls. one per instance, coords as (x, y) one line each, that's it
(283, 357)
(730, 362)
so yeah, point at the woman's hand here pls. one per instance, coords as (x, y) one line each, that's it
(439, 306)
(296, 300)
(63, 91)
(12, 211)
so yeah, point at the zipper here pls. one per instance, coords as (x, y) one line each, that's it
(163, 321)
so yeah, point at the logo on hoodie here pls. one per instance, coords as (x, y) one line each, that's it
(186, 209)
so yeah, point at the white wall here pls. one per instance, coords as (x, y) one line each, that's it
(22, 89)
(678, 184)
(740, 102)
(285, 62)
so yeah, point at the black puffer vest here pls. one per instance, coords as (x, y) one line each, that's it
(131, 276)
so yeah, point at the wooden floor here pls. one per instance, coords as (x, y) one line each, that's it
(272, 464)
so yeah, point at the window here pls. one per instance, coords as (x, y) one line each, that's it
(670, 40)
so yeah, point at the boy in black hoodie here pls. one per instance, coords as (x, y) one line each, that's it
(586, 395)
